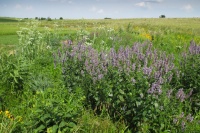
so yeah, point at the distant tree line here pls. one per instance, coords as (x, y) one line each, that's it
(48, 18)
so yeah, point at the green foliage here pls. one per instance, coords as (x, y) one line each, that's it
(89, 123)
(162, 16)
(190, 76)
(7, 19)
(54, 109)
(51, 90)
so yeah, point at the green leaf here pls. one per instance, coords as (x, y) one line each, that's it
(121, 92)
(62, 124)
(68, 115)
(138, 103)
(40, 128)
(16, 72)
(71, 124)
(15, 80)
(162, 126)
(156, 105)
(121, 98)
(55, 128)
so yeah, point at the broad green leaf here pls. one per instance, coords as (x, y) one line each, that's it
(121, 98)
(40, 128)
(121, 92)
(71, 124)
(156, 105)
(55, 128)
(62, 124)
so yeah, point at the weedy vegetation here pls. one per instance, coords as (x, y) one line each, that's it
(110, 76)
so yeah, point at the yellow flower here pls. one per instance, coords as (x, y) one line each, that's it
(7, 112)
(148, 36)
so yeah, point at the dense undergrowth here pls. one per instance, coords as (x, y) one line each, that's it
(107, 80)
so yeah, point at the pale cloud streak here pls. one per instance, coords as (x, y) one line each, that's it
(147, 4)
(100, 11)
(143, 4)
(187, 8)
(96, 10)
(18, 6)
(29, 8)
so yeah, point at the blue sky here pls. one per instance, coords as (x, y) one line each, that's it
(95, 9)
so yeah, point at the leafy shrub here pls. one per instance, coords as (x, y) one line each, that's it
(131, 83)
(190, 76)
(54, 110)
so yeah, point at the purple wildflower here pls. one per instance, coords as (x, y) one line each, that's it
(133, 67)
(183, 125)
(169, 92)
(100, 76)
(133, 80)
(147, 71)
(189, 118)
(182, 115)
(180, 95)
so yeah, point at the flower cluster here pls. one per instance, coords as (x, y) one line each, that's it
(194, 49)
(155, 66)
(182, 119)
(7, 114)
(147, 36)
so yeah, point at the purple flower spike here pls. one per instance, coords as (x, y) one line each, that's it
(180, 95)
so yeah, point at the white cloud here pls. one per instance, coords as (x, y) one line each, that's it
(100, 11)
(18, 6)
(93, 9)
(29, 8)
(96, 10)
(143, 5)
(116, 11)
(187, 8)
(61, 1)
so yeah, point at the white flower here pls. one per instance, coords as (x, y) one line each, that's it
(48, 47)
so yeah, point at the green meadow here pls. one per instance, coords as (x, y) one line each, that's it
(100, 75)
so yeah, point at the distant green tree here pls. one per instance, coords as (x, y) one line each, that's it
(43, 18)
(49, 19)
(107, 18)
(36, 18)
(61, 18)
(162, 16)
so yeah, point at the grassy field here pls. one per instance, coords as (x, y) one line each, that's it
(107, 76)
(165, 33)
